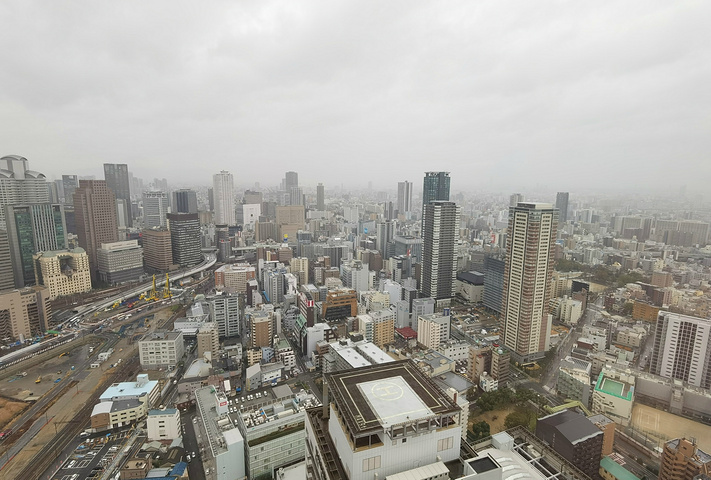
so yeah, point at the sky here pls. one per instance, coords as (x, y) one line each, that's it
(503, 94)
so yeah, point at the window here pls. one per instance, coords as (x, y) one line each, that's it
(445, 443)
(371, 463)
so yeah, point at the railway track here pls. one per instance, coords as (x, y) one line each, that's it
(43, 460)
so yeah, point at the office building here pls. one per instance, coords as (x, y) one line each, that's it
(124, 403)
(184, 201)
(404, 197)
(185, 238)
(224, 311)
(339, 303)
(320, 198)
(682, 349)
(433, 330)
(225, 455)
(250, 214)
(381, 420)
(161, 349)
(116, 176)
(575, 438)
(24, 313)
(408, 246)
(515, 198)
(223, 195)
(435, 187)
(299, 266)
(19, 184)
(262, 329)
(683, 460)
(163, 425)
(63, 272)
(561, 203)
(234, 277)
(384, 235)
(157, 250)
(574, 380)
(120, 262)
(439, 256)
(290, 219)
(31, 229)
(155, 209)
(6, 276)
(95, 218)
(526, 323)
(291, 180)
(274, 434)
(69, 184)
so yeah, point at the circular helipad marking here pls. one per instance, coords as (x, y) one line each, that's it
(387, 391)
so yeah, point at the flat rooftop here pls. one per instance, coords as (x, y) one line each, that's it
(379, 396)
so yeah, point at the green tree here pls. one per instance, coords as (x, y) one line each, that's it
(520, 417)
(479, 430)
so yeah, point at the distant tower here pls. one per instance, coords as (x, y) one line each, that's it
(95, 218)
(320, 198)
(441, 229)
(526, 324)
(19, 184)
(404, 197)
(561, 203)
(185, 238)
(69, 184)
(116, 176)
(223, 193)
(291, 180)
(515, 198)
(155, 208)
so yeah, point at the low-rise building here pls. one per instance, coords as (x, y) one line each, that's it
(234, 277)
(611, 470)
(24, 313)
(613, 395)
(488, 383)
(161, 349)
(163, 424)
(574, 380)
(124, 403)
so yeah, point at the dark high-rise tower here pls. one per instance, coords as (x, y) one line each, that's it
(435, 187)
(320, 198)
(526, 324)
(185, 238)
(561, 203)
(31, 229)
(95, 218)
(116, 176)
(440, 230)
(69, 184)
(185, 201)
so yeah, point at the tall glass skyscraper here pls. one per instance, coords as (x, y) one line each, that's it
(436, 187)
(116, 176)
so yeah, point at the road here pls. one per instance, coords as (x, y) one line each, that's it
(190, 443)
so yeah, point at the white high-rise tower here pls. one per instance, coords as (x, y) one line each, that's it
(223, 194)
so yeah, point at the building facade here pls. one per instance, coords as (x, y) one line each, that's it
(185, 238)
(95, 218)
(155, 209)
(24, 313)
(157, 249)
(225, 312)
(120, 262)
(63, 272)
(440, 232)
(19, 184)
(161, 349)
(526, 323)
(223, 195)
(116, 176)
(185, 201)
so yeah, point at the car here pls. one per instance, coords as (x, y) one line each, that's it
(265, 393)
(188, 458)
(259, 395)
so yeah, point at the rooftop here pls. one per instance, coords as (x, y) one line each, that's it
(381, 395)
(129, 389)
(573, 426)
(617, 470)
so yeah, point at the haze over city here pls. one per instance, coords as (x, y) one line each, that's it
(503, 95)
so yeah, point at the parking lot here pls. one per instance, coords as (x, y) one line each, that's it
(90, 457)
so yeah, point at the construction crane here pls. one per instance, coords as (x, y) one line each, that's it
(166, 287)
(153, 294)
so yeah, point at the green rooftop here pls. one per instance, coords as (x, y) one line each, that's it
(616, 470)
(614, 387)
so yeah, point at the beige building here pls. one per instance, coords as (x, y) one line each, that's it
(432, 330)
(208, 340)
(262, 330)
(63, 272)
(234, 277)
(290, 219)
(24, 313)
(300, 266)
(157, 249)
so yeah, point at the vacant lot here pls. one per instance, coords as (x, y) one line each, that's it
(666, 426)
(9, 410)
(495, 419)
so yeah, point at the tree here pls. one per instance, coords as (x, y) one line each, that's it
(519, 417)
(479, 430)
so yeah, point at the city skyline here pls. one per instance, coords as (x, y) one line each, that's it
(498, 96)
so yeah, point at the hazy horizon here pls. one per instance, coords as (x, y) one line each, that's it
(506, 96)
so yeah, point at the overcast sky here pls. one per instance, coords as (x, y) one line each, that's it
(566, 95)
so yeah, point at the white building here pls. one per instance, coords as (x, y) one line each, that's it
(223, 196)
(63, 272)
(251, 213)
(161, 349)
(120, 262)
(381, 420)
(488, 383)
(163, 424)
(570, 310)
(433, 330)
(155, 209)
(614, 395)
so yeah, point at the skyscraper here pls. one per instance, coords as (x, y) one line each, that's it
(95, 218)
(561, 203)
(404, 197)
(185, 201)
(436, 187)
(682, 349)
(31, 229)
(155, 208)
(440, 231)
(69, 184)
(291, 180)
(223, 196)
(116, 176)
(526, 324)
(185, 238)
(320, 198)
(19, 184)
